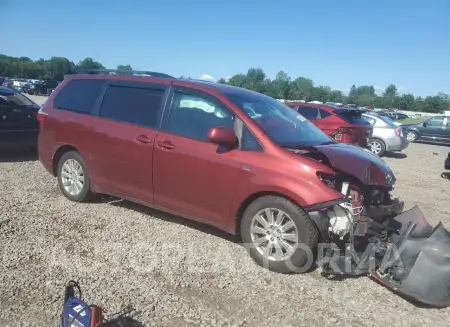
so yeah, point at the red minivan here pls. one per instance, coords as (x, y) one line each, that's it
(342, 124)
(222, 155)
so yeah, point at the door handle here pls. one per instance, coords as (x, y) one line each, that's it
(143, 139)
(166, 145)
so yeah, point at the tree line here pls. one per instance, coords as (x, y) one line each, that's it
(54, 68)
(282, 87)
(302, 88)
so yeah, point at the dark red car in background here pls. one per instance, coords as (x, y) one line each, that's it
(342, 124)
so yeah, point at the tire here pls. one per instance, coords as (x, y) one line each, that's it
(301, 259)
(411, 136)
(84, 194)
(377, 147)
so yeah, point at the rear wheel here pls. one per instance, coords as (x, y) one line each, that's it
(377, 147)
(279, 235)
(73, 177)
(411, 136)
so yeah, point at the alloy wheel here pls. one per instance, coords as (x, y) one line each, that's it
(375, 147)
(72, 177)
(274, 234)
(411, 136)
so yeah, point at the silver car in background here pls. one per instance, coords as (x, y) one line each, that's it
(386, 135)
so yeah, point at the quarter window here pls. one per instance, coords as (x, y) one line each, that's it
(79, 95)
(249, 141)
(134, 105)
(309, 113)
(193, 115)
(324, 114)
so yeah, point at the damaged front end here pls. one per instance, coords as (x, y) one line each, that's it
(369, 234)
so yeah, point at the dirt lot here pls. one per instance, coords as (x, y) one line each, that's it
(36, 98)
(177, 273)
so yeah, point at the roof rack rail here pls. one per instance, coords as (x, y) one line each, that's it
(124, 72)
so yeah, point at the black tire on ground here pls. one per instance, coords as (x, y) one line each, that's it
(303, 257)
(411, 136)
(381, 144)
(86, 194)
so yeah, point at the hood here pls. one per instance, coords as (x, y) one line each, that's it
(360, 163)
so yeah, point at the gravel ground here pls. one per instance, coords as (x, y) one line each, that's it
(176, 273)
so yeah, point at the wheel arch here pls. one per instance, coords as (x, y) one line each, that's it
(252, 197)
(58, 154)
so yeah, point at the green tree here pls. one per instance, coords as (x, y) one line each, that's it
(124, 68)
(89, 63)
(281, 87)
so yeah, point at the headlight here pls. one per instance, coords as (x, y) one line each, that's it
(328, 179)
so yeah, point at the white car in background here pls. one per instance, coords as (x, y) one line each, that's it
(386, 135)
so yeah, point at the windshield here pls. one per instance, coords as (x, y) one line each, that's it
(17, 99)
(282, 124)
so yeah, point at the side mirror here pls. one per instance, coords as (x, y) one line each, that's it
(424, 124)
(222, 136)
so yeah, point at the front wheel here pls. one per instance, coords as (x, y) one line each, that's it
(279, 235)
(73, 177)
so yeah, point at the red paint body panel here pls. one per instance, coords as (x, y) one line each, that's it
(195, 179)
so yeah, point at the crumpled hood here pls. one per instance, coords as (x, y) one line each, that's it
(358, 162)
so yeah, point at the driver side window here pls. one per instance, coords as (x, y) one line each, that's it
(192, 115)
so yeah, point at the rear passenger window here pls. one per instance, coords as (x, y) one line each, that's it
(79, 95)
(134, 105)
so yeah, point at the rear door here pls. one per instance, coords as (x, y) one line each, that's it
(121, 139)
(191, 175)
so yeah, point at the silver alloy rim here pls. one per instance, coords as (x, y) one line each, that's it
(410, 136)
(72, 176)
(375, 147)
(274, 234)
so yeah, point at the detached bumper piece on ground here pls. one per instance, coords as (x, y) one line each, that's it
(414, 262)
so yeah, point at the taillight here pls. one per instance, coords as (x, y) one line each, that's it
(399, 132)
(341, 132)
(41, 116)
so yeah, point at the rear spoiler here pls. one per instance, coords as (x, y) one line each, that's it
(350, 111)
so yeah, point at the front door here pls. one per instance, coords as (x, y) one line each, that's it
(434, 130)
(191, 175)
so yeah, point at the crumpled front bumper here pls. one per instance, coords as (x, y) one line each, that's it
(417, 262)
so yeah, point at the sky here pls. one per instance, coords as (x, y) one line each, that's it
(335, 43)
